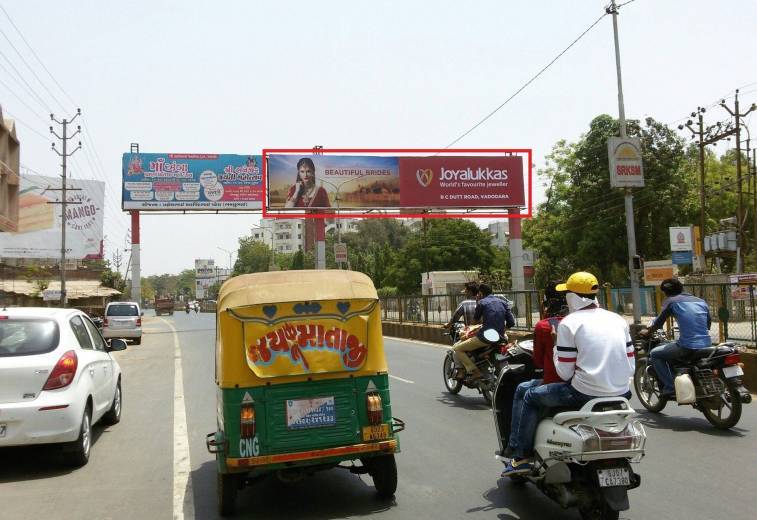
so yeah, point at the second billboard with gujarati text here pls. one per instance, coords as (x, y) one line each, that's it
(365, 182)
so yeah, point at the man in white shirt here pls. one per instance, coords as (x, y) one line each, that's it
(593, 354)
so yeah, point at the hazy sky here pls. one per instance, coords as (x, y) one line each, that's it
(237, 77)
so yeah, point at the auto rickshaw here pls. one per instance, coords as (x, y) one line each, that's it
(302, 381)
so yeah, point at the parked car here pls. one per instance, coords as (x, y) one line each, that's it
(123, 320)
(57, 379)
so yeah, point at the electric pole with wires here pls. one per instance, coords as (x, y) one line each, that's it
(64, 154)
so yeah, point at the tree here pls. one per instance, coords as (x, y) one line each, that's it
(581, 226)
(186, 283)
(253, 256)
(113, 279)
(448, 245)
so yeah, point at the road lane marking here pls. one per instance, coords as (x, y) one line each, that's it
(401, 379)
(183, 507)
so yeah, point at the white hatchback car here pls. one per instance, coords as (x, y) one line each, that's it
(123, 320)
(57, 379)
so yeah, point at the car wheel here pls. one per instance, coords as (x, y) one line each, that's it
(78, 451)
(137, 341)
(113, 416)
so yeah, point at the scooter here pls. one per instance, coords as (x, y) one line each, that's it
(582, 458)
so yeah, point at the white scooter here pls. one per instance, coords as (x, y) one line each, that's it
(582, 458)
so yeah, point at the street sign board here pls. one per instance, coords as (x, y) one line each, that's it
(51, 295)
(626, 167)
(657, 271)
(682, 257)
(681, 238)
(340, 252)
(743, 286)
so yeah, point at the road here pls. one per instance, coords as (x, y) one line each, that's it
(446, 468)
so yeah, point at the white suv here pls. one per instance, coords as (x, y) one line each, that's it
(123, 320)
(57, 379)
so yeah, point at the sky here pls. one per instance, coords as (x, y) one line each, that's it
(239, 76)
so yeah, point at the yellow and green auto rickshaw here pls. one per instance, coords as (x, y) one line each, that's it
(302, 380)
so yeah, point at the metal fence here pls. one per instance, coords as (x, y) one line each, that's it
(733, 308)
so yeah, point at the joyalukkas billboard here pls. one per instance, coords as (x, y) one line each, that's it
(363, 182)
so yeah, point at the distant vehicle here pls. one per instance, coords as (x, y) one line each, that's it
(57, 379)
(164, 306)
(123, 320)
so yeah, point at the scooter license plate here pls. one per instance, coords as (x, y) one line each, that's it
(614, 477)
(732, 371)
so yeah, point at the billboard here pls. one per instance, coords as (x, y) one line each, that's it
(370, 182)
(187, 182)
(39, 219)
(681, 238)
(626, 166)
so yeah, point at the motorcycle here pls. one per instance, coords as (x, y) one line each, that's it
(582, 458)
(716, 375)
(487, 359)
(187, 309)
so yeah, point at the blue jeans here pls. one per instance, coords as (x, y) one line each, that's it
(660, 357)
(530, 398)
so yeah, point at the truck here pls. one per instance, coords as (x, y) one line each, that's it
(164, 306)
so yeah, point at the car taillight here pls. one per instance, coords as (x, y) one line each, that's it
(63, 373)
(247, 421)
(731, 359)
(375, 409)
(105, 322)
(139, 322)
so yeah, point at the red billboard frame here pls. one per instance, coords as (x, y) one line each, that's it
(343, 214)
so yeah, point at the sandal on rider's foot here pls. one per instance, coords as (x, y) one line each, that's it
(517, 467)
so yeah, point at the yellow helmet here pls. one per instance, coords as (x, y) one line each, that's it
(581, 283)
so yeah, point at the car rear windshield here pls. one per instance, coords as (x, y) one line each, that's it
(26, 337)
(123, 310)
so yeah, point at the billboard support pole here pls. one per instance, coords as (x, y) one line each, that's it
(136, 285)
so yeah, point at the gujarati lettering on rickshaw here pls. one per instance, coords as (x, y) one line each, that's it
(293, 340)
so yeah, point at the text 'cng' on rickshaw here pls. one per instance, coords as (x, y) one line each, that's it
(302, 380)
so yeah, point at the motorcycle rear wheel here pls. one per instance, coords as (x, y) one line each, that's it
(647, 388)
(448, 371)
(729, 400)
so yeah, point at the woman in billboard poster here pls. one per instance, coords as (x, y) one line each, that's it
(304, 193)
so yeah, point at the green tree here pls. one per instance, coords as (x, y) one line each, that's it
(446, 245)
(253, 256)
(581, 226)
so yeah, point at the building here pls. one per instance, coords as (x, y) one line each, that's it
(446, 282)
(283, 235)
(343, 225)
(207, 274)
(10, 157)
(500, 232)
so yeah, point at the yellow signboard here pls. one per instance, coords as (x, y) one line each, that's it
(656, 272)
(306, 337)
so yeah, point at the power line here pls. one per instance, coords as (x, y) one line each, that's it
(32, 110)
(527, 83)
(30, 88)
(27, 125)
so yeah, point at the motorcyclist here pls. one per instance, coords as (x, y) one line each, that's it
(593, 356)
(467, 307)
(693, 317)
(492, 313)
(554, 309)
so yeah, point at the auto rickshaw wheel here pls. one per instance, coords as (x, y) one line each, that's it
(383, 469)
(228, 485)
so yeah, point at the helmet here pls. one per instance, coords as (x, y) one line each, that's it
(580, 283)
(671, 287)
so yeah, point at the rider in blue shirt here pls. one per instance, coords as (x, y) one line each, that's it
(693, 317)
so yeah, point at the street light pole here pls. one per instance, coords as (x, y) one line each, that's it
(630, 230)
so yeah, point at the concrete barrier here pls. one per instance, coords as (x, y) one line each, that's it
(433, 334)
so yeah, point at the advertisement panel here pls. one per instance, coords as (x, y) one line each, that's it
(330, 181)
(657, 271)
(39, 219)
(170, 181)
(356, 182)
(626, 167)
(743, 286)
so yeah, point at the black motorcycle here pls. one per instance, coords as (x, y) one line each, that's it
(488, 360)
(715, 372)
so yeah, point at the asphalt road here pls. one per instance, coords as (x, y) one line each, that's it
(446, 468)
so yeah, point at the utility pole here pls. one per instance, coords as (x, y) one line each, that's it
(64, 202)
(740, 217)
(700, 133)
(117, 260)
(630, 230)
